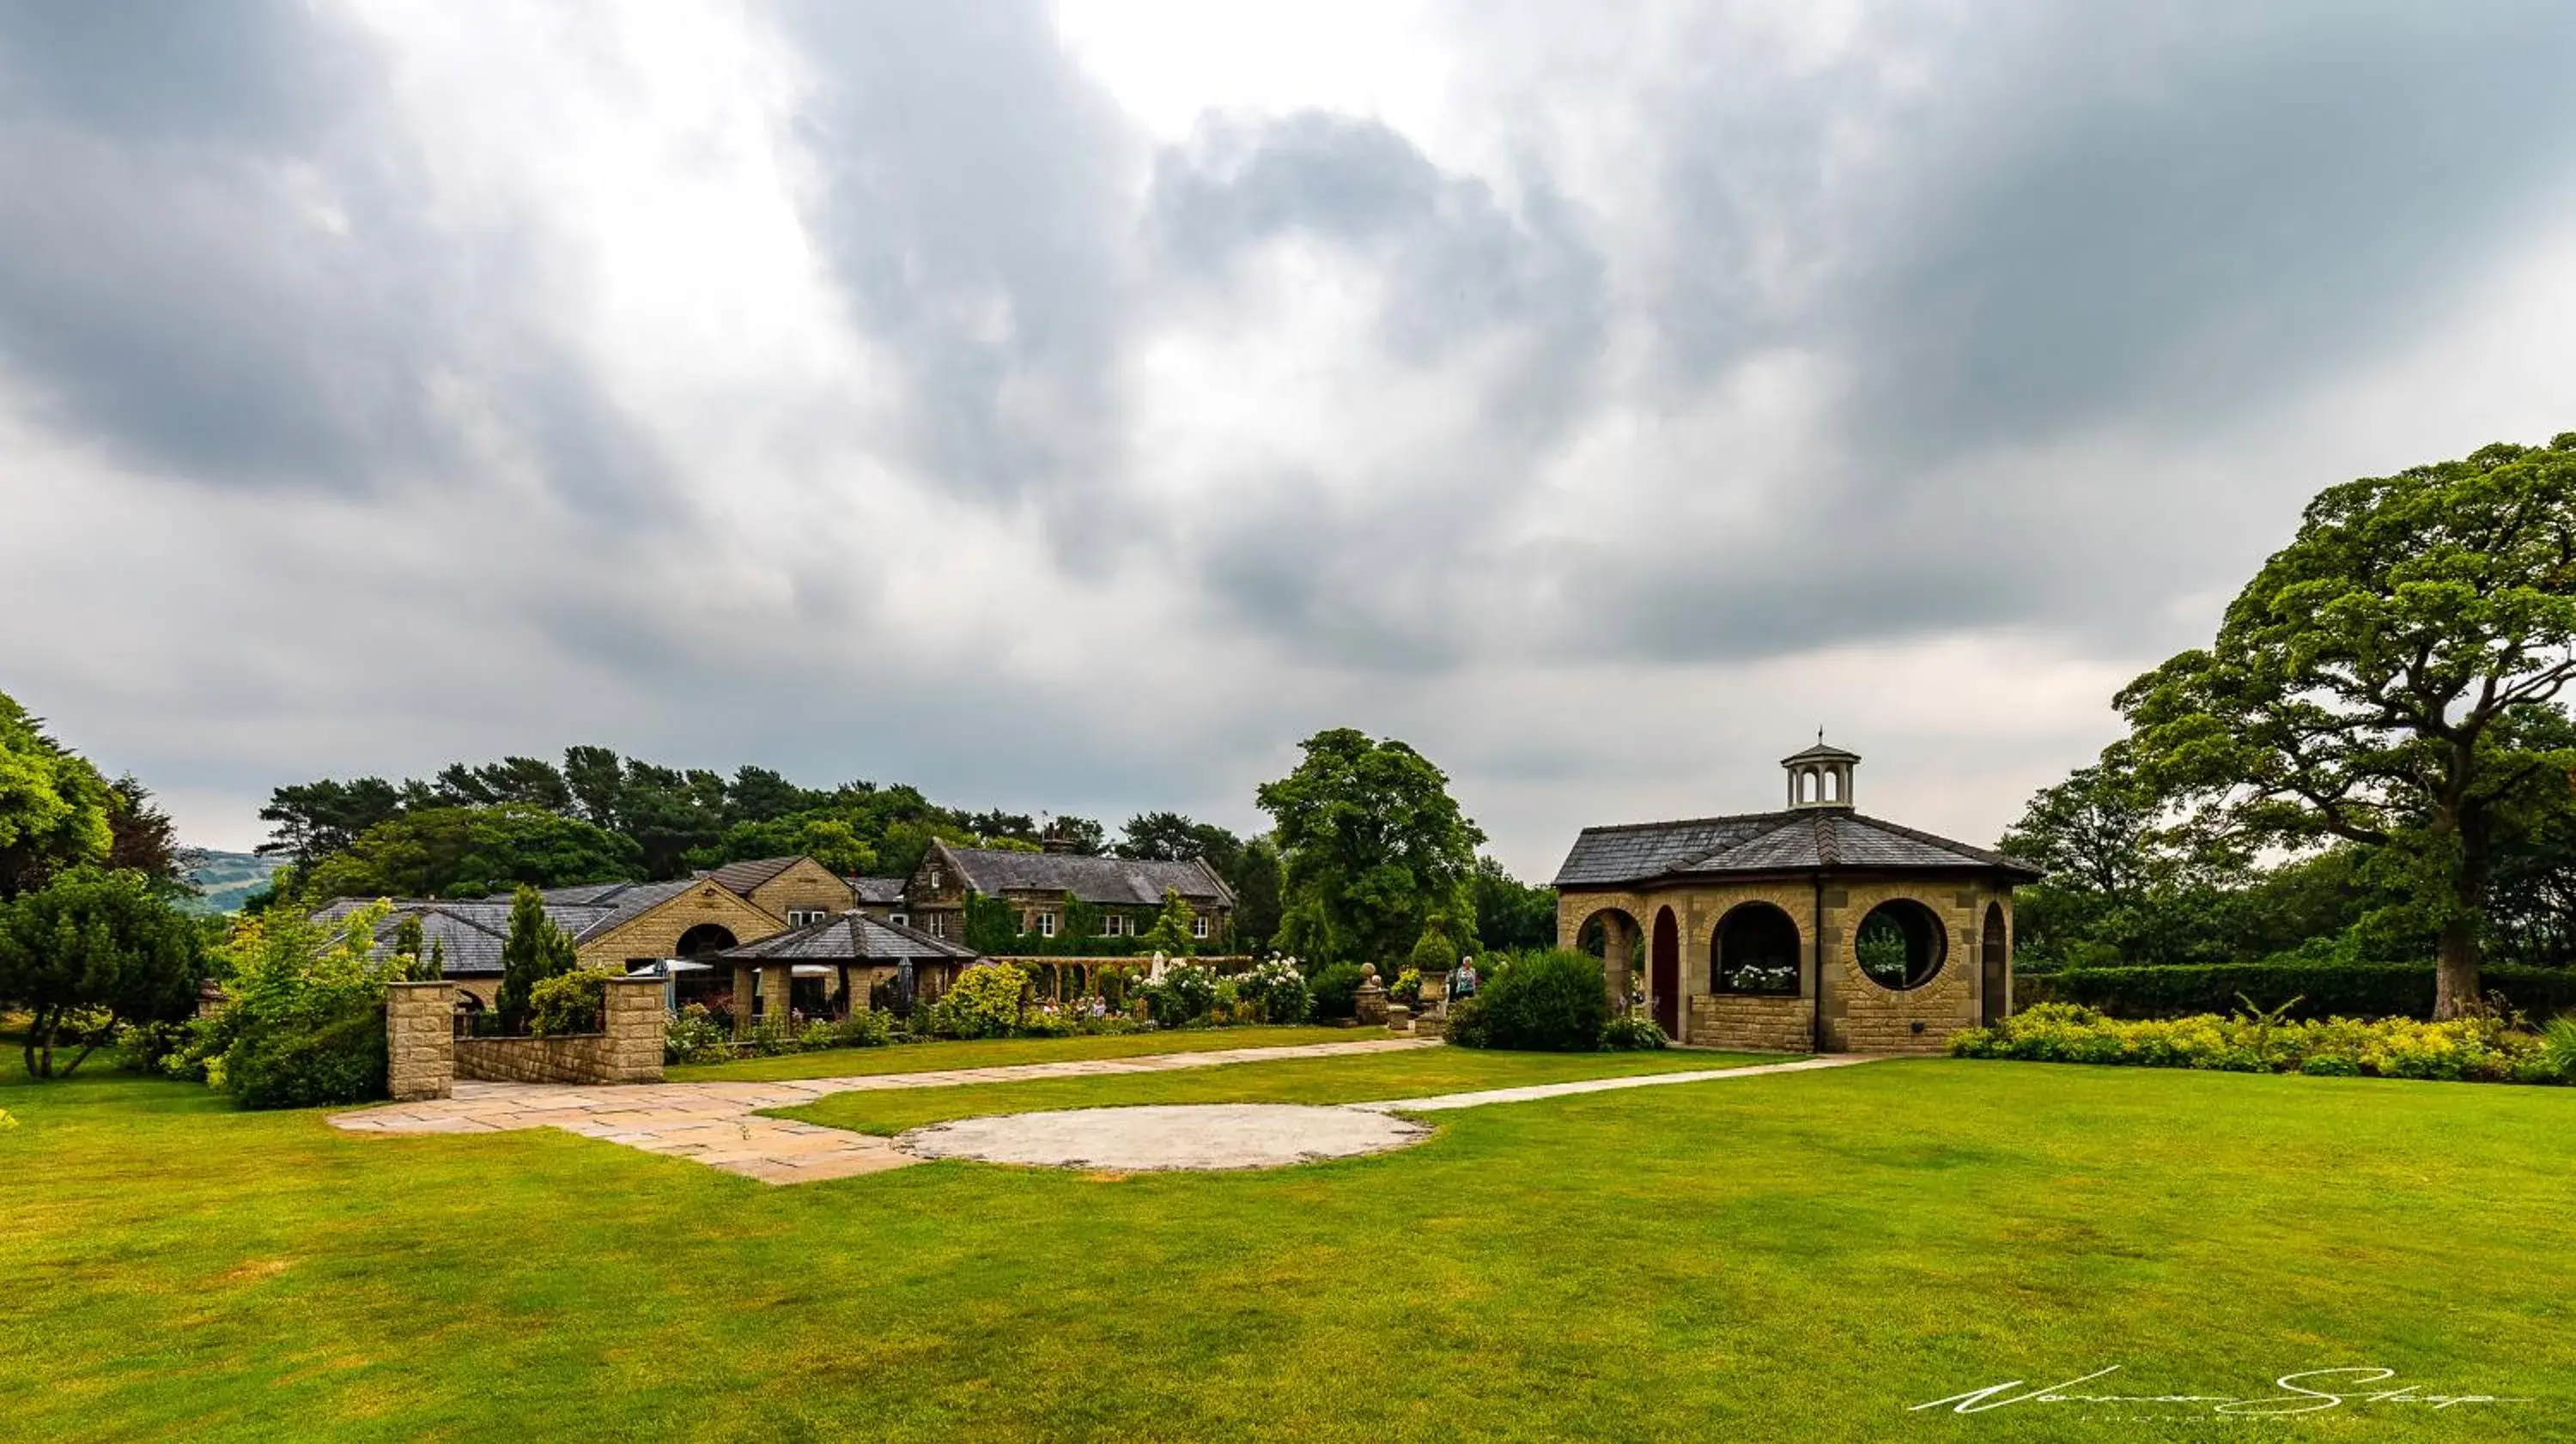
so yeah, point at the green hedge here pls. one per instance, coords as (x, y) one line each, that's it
(2324, 990)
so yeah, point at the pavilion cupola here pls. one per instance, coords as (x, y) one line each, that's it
(1820, 776)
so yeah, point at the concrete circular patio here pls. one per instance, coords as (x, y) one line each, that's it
(1158, 1137)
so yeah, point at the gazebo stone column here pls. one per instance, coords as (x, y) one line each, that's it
(775, 982)
(742, 976)
(420, 1040)
(631, 1015)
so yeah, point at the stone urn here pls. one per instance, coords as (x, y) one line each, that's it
(1369, 1005)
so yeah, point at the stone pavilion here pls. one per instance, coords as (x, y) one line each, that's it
(1809, 929)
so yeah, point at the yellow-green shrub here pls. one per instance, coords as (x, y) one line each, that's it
(2486, 1049)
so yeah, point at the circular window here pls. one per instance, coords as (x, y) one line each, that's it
(1900, 944)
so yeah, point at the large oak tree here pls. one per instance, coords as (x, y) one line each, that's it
(2388, 679)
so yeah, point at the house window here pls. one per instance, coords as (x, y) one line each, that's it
(935, 925)
(1046, 925)
(934, 880)
(901, 920)
(1117, 925)
(1199, 927)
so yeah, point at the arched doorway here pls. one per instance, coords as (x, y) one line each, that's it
(1993, 985)
(1612, 936)
(1664, 974)
(704, 938)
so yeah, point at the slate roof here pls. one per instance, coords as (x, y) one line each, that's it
(1806, 840)
(1091, 879)
(880, 891)
(475, 928)
(849, 938)
(742, 877)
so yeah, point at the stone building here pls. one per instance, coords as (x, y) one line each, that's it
(1812, 928)
(1127, 891)
(618, 925)
(828, 968)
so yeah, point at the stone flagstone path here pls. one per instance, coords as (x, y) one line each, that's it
(718, 1124)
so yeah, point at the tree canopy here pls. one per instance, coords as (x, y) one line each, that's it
(92, 949)
(56, 811)
(474, 852)
(2387, 680)
(1371, 845)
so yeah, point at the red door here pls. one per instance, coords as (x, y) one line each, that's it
(1664, 977)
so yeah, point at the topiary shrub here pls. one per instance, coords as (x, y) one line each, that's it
(1547, 1002)
(1337, 990)
(1632, 1032)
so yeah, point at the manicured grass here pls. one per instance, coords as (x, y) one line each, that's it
(1413, 1074)
(986, 1053)
(1792, 1257)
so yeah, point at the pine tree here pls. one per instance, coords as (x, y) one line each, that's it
(535, 951)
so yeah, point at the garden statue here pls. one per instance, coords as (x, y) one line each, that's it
(1155, 975)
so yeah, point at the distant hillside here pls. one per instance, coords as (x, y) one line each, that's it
(226, 878)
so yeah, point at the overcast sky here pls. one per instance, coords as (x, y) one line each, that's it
(1072, 407)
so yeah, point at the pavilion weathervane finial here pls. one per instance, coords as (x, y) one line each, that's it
(1821, 776)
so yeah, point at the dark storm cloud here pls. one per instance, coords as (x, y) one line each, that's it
(217, 257)
(2166, 213)
(2161, 220)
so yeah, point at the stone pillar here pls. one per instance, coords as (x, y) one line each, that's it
(775, 981)
(1618, 955)
(742, 976)
(631, 1015)
(420, 1040)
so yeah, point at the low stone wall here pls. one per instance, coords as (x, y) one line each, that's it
(427, 1056)
(1783, 1024)
(575, 1058)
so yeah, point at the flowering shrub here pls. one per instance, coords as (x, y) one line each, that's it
(1186, 993)
(2482, 1049)
(984, 1002)
(1407, 989)
(694, 1036)
(568, 1003)
(1276, 991)
(1632, 1032)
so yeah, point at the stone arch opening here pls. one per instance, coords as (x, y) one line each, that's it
(704, 938)
(1900, 945)
(1757, 951)
(1994, 954)
(1612, 934)
(1664, 974)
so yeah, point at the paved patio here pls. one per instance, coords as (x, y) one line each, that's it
(718, 1124)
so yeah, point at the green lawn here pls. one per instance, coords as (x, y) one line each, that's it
(928, 1057)
(1412, 1074)
(1795, 1257)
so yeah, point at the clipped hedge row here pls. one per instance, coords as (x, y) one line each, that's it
(2323, 990)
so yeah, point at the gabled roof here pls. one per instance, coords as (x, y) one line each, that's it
(742, 877)
(1121, 880)
(887, 891)
(849, 938)
(1806, 840)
